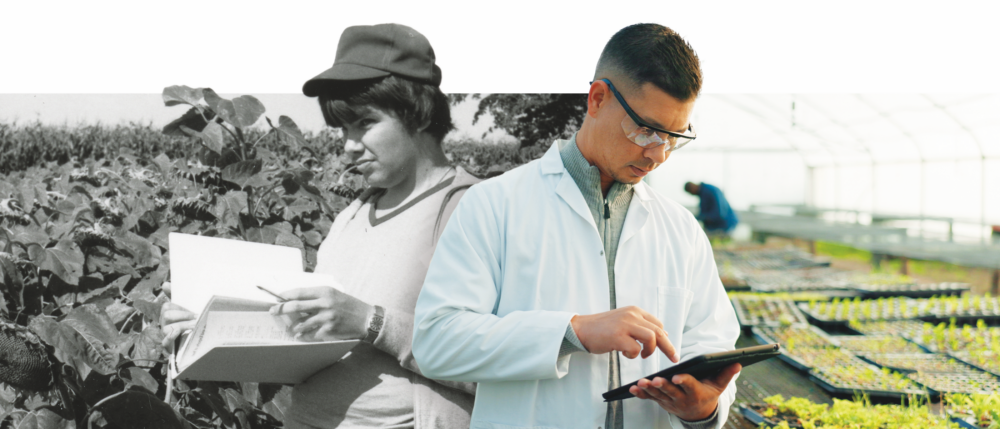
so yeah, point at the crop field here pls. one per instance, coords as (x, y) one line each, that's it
(84, 218)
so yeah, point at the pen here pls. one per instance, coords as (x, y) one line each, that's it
(280, 299)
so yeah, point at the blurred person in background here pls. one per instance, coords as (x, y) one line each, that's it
(383, 90)
(713, 210)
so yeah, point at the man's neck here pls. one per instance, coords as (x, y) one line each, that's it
(586, 144)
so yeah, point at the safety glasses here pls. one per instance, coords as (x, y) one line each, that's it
(645, 135)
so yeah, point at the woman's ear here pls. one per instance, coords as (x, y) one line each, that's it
(423, 126)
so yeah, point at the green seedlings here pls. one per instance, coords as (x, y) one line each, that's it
(978, 382)
(876, 344)
(766, 311)
(920, 362)
(858, 375)
(904, 328)
(980, 409)
(859, 413)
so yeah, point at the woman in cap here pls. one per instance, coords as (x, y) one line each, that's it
(383, 90)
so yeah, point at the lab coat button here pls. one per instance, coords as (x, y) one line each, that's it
(602, 254)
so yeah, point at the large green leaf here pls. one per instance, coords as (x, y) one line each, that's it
(211, 135)
(44, 418)
(192, 119)
(181, 94)
(98, 334)
(290, 240)
(68, 347)
(141, 377)
(279, 404)
(143, 253)
(269, 233)
(144, 347)
(241, 112)
(228, 208)
(149, 309)
(136, 408)
(64, 260)
(163, 163)
(241, 172)
(298, 207)
(287, 127)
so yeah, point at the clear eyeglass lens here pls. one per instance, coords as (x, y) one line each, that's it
(646, 137)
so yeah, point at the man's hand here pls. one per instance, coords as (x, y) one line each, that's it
(620, 329)
(684, 396)
(325, 313)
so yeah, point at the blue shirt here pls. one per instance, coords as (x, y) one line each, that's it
(714, 211)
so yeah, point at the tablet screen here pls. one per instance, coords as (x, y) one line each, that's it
(704, 366)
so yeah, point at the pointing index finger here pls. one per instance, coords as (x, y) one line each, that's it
(664, 344)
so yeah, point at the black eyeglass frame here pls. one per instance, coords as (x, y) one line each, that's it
(640, 122)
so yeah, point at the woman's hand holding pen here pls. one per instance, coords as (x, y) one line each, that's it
(327, 314)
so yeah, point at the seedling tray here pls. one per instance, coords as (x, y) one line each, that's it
(859, 368)
(785, 308)
(964, 424)
(794, 362)
(758, 418)
(851, 392)
(920, 362)
(938, 383)
(869, 291)
(856, 343)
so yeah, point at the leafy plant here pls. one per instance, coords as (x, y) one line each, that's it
(859, 413)
(83, 255)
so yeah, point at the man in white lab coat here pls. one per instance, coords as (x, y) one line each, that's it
(545, 276)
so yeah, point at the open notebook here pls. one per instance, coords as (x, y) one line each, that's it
(235, 338)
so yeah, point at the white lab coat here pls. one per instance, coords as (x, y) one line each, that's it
(519, 257)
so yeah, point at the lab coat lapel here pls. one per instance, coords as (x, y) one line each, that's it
(566, 188)
(638, 213)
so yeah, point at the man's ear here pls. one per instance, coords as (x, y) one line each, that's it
(598, 97)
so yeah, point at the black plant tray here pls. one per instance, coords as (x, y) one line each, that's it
(850, 392)
(796, 314)
(964, 424)
(927, 355)
(911, 291)
(793, 361)
(970, 363)
(959, 319)
(758, 418)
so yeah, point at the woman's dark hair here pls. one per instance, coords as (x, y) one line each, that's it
(415, 104)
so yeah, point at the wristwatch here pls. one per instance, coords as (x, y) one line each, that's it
(375, 325)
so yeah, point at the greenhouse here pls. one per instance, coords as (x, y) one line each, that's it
(868, 246)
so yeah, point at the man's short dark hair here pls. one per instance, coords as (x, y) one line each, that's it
(655, 54)
(415, 104)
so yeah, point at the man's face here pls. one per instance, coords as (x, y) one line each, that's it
(617, 156)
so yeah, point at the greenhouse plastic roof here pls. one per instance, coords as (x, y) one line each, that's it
(829, 129)
(917, 155)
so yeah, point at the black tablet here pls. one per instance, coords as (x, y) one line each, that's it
(704, 366)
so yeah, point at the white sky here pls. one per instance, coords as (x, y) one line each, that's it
(134, 49)
(503, 46)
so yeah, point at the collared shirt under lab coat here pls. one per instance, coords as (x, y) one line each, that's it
(519, 257)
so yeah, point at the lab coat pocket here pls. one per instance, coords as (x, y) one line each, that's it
(673, 304)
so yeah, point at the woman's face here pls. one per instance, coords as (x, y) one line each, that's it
(381, 148)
